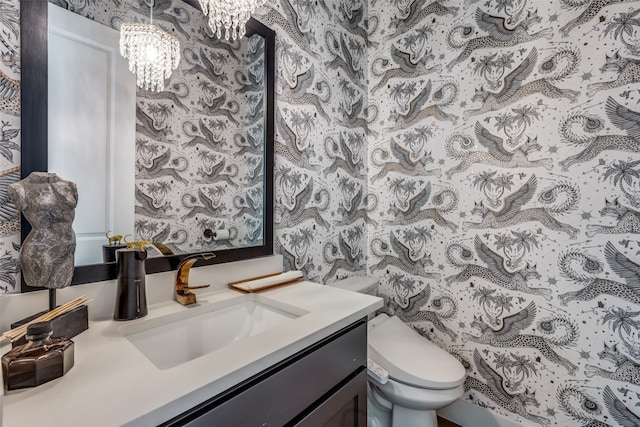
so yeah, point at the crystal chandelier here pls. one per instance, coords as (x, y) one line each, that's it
(229, 15)
(152, 53)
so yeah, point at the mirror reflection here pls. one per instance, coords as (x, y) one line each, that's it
(184, 167)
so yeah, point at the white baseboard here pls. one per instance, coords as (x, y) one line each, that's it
(470, 415)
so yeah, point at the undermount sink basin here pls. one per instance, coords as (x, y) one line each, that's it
(174, 339)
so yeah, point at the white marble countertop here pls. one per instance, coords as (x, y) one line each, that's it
(112, 383)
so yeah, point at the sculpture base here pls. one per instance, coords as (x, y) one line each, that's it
(67, 325)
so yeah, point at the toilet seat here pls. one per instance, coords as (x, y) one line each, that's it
(410, 358)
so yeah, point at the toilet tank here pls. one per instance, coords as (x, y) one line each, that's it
(362, 284)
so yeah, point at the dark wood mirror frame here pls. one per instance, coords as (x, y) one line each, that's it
(34, 152)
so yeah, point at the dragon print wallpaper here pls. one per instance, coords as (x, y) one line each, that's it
(9, 142)
(479, 157)
(503, 149)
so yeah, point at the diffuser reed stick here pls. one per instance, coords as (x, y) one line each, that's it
(16, 333)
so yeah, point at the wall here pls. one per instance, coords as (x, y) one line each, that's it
(506, 166)
(486, 220)
(9, 142)
(321, 202)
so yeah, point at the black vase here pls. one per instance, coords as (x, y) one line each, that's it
(131, 296)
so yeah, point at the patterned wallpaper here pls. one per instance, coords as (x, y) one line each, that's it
(9, 142)
(504, 155)
(480, 158)
(322, 207)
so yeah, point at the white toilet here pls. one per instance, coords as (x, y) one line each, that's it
(420, 377)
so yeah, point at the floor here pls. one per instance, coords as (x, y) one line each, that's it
(444, 423)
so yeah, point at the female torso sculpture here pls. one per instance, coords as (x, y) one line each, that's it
(48, 202)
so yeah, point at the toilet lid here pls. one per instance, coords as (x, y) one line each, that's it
(412, 359)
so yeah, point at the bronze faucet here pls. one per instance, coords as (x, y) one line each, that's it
(183, 291)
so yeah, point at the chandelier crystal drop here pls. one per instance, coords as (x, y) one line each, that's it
(152, 53)
(229, 16)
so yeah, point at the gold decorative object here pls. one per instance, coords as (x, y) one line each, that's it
(116, 239)
(140, 244)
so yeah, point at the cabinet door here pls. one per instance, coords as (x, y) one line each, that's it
(346, 407)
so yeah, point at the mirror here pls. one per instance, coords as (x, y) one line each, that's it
(235, 203)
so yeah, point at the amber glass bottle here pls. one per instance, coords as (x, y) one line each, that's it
(40, 360)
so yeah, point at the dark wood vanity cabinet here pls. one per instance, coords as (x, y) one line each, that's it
(345, 407)
(323, 385)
